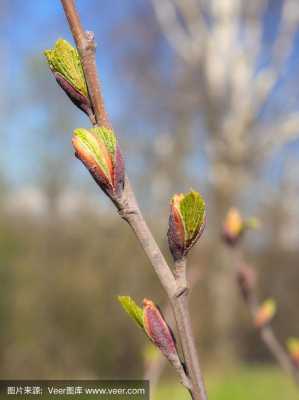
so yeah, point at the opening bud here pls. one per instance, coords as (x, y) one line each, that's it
(235, 225)
(150, 320)
(98, 149)
(186, 223)
(293, 349)
(158, 331)
(265, 313)
(65, 63)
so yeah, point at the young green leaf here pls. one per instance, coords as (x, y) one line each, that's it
(65, 64)
(65, 60)
(135, 312)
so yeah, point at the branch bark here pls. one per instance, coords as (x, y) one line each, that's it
(266, 332)
(154, 368)
(86, 47)
(129, 209)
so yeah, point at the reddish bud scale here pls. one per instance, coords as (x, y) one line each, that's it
(158, 331)
(176, 234)
(74, 95)
(186, 223)
(295, 359)
(293, 349)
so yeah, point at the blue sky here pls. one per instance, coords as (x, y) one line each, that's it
(26, 29)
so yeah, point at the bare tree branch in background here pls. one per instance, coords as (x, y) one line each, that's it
(154, 365)
(234, 228)
(228, 64)
(244, 278)
(220, 46)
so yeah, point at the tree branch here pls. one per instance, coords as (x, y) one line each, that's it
(282, 49)
(154, 368)
(86, 47)
(129, 209)
(176, 35)
(266, 331)
(281, 134)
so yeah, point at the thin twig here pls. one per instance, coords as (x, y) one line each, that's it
(266, 332)
(86, 47)
(154, 368)
(181, 275)
(129, 209)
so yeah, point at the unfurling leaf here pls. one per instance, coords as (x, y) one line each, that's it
(65, 63)
(150, 320)
(265, 313)
(159, 332)
(97, 148)
(186, 222)
(293, 349)
(132, 309)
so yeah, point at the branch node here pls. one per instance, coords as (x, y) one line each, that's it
(126, 211)
(181, 290)
(90, 41)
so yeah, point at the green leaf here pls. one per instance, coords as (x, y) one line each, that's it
(132, 309)
(65, 60)
(107, 136)
(192, 208)
(95, 147)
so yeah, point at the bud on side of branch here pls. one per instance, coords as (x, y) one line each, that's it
(186, 223)
(65, 64)
(150, 320)
(98, 149)
(131, 308)
(235, 225)
(159, 332)
(246, 278)
(293, 349)
(265, 313)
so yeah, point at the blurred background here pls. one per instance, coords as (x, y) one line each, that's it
(202, 94)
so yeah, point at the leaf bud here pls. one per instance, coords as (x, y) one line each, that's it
(98, 149)
(65, 64)
(293, 349)
(186, 223)
(265, 313)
